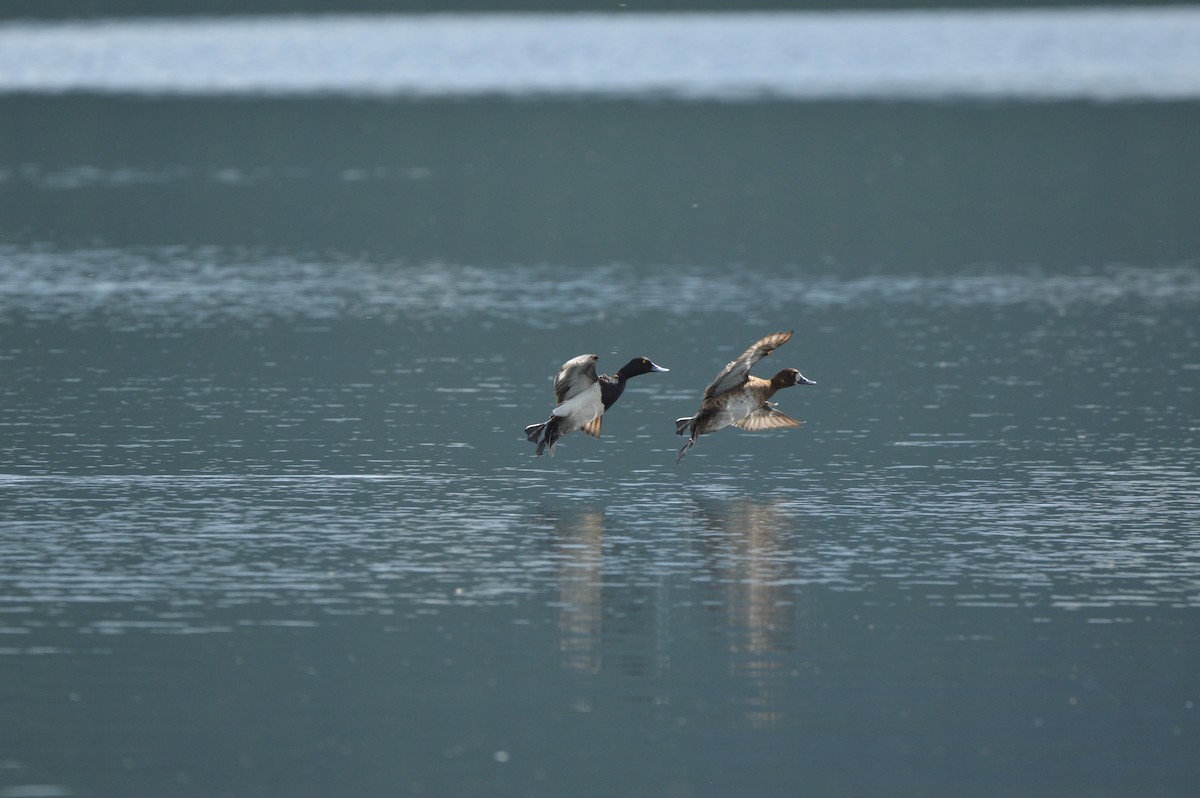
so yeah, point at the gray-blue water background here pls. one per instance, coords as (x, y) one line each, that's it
(269, 526)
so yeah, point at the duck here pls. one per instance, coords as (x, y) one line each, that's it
(737, 398)
(582, 398)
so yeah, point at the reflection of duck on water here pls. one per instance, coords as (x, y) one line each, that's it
(580, 580)
(748, 555)
(582, 398)
(740, 399)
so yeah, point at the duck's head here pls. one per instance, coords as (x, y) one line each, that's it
(639, 365)
(786, 378)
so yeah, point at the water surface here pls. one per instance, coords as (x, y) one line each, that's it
(268, 523)
(314, 506)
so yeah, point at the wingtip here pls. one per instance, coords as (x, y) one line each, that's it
(774, 341)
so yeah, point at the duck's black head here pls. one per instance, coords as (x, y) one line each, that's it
(639, 365)
(786, 378)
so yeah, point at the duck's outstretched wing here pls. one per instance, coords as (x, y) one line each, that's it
(767, 417)
(738, 370)
(576, 375)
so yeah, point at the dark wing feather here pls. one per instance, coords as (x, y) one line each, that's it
(767, 417)
(577, 374)
(737, 371)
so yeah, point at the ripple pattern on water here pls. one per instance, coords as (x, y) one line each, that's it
(206, 286)
(179, 550)
(91, 177)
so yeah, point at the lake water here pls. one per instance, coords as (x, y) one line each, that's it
(269, 526)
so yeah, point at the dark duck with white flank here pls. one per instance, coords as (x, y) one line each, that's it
(740, 399)
(582, 398)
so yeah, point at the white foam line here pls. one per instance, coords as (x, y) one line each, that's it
(171, 478)
(1099, 54)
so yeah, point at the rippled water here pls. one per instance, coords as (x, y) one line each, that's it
(269, 525)
(1113, 540)
(185, 288)
(286, 452)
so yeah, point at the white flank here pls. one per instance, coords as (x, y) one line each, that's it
(582, 407)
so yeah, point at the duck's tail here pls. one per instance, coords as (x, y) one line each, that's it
(682, 424)
(544, 434)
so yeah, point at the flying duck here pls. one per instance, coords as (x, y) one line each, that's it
(740, 399)
(582, 398)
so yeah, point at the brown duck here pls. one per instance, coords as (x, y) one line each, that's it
(740, 399)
